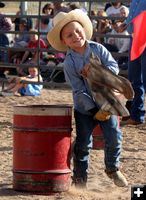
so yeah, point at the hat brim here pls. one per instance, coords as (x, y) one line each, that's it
(54, 35)
(2, 5)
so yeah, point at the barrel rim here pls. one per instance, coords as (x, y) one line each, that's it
(45, 106)
(53, 171)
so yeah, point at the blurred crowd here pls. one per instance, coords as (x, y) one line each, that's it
(28, 37)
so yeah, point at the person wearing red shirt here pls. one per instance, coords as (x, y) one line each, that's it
(33, 44)
(29, 56)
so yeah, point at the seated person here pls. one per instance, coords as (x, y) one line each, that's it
(122, 44)
(17, 20)
(103, 26)
(29, 56)
(33, 44)
(114, 9)
(19, 88)
(44, 29)
(20, 40)
(124, 12)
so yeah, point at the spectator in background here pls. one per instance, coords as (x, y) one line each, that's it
(76, 5)
(124, 12)
(20, 40)
(107, 5)
(44, 29)
(17, 20)
(5, 22)
(60, 7)
(94, 21)
(47, 10)
(103, 26)
(5, 25)
(34, 42)
(28, 56)
(73, 6)
(18, 88)
(122, 44)
(114, 10)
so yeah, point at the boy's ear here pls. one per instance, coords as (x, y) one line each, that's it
(63, 42)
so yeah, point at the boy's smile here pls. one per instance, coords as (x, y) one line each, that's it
(73, 36)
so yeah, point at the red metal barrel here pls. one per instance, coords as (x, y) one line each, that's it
(42, 148)
(98, 139)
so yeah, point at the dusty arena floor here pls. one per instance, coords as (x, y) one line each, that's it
(100, 187)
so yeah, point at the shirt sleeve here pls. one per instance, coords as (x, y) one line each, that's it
(82, 98)
(107, 59)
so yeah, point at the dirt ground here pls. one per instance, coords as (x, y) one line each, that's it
(100, 187)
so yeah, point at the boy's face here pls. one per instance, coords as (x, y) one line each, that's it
(33, 71)
(73, 36)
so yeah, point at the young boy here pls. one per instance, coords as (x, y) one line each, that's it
(18, 88)
(72, 33)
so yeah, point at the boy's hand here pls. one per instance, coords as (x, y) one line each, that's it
(102, 115)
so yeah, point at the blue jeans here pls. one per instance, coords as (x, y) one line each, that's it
(137, 76)
(113, 143)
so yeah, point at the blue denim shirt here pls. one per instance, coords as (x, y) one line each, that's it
(73, 64)
(136, 7)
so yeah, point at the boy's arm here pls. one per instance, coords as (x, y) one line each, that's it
(81, 96)
(106, 58)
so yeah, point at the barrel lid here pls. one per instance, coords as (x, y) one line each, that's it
(53, 109)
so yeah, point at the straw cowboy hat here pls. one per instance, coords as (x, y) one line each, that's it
(2, 5)
(61, 19)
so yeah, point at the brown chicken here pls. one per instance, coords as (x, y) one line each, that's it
(105, 85)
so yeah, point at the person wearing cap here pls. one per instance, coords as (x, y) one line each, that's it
(71, 34)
